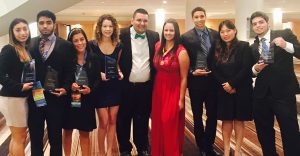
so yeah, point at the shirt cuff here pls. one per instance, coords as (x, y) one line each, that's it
(254, 71)
(289, 48)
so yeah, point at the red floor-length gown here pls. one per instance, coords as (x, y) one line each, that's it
(167, 130)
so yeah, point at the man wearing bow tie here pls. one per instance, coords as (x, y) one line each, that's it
(275, 86)
(137, 67)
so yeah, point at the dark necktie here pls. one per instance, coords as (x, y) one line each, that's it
(42, 47)
(264, 46)
(142, 36)
(204, 44)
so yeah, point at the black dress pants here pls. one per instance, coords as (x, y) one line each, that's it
(135, 107)
(205, 136)
(52, 114)
(285, 111)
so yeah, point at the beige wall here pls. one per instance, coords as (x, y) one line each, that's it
(296, 28)
(211, 23)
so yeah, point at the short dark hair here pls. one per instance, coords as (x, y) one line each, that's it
(259, 14)
(46, 13)
(141, 11)
(198, 9)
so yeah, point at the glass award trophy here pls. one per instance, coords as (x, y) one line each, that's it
(268, 56)
(51, 79)
(111, 69)
(28, 74)
(201, 62)
(81, 76)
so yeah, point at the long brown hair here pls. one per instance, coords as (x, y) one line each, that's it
(21, 51)
(98, 32)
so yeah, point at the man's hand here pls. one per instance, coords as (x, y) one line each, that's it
(200, 72)
(259, 66)
(59, 92)
(280, 42)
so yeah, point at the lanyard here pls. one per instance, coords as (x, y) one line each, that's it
(81, 67)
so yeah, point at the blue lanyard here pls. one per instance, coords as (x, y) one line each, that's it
(81, 67)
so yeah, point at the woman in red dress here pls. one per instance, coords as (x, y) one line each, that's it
(171, 62)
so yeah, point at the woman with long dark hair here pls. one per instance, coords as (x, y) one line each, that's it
(13, 95)
(80, 113)
(167, 118)
(232, 69)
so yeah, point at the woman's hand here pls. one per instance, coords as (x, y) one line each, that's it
(103, 77)
(85, 90)
(121, 76)
(227, 87)
(27, 86)
(75, 87)
(181, 105)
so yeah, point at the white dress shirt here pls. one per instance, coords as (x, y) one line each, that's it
(140, 71)
(289, 47)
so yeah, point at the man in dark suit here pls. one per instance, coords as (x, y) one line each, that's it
(48, 51)
(200, 42)
(275, 86)
(137, 67)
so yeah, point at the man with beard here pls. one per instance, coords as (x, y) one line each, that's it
(49, 52)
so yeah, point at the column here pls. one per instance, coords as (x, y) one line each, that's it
(243, 11)
(190, 5)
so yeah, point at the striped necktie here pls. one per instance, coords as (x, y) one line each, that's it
(204, 44)
(42, 47)
(264, 46)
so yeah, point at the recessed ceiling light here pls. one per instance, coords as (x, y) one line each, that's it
(164, 2)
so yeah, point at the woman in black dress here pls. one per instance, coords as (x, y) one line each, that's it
(232, 69)
(107, 96)
(81, 114)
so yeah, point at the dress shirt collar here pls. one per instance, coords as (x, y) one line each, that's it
(133, 32)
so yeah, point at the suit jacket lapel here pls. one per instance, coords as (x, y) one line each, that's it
(150, 42)
(211, 38)
(255, 49)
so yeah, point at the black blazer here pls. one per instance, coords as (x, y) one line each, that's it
(239, 74)
(279, 78)
(11, 69)
(61, 59)
(126, 56)
(191, 42)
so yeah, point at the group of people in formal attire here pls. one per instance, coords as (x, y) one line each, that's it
(151, 79)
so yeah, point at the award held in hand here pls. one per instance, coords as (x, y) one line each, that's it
(111, 69)
(201, 62)
(28, 74)
(51, 80)
(267, 54)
